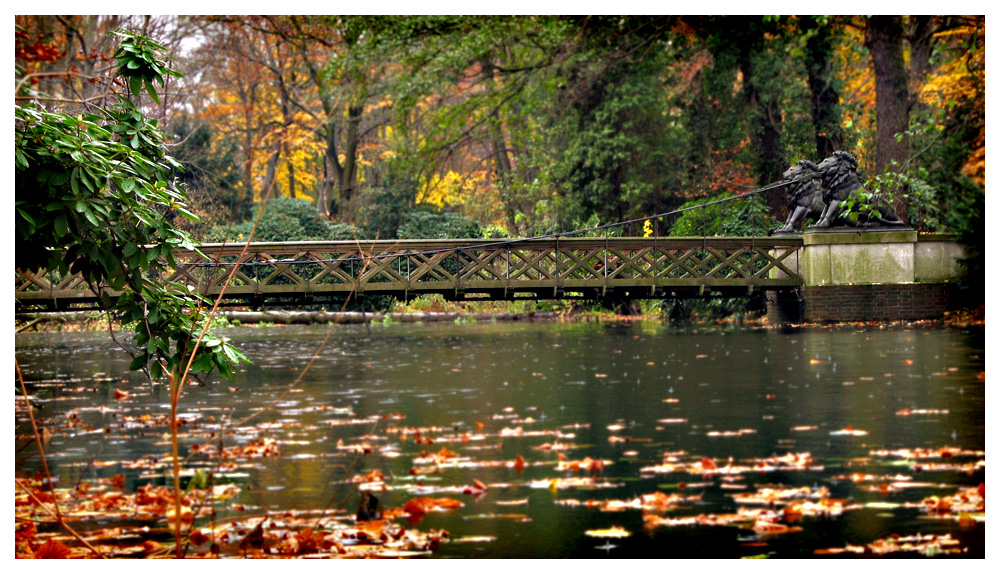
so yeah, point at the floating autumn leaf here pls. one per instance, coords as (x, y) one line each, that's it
(256, 537)
(765, 528)
(555, 484)
(187, 515)
(653, 521)
(613, 532)
(588, 464)
(197, 537)
(519, 464)
(735, 433)
(849, 430)
(908, 412)
(121, 395)
(924, 453)
(925, 544)
(970, 501)
(551, 446)
(421, 505)
(52, 549)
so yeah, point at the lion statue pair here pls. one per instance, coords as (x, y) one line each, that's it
(821, 189)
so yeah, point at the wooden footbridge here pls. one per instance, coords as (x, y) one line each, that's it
(297, 273)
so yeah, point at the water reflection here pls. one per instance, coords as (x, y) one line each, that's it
(624, 393)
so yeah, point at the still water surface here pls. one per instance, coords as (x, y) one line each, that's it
(632, 395)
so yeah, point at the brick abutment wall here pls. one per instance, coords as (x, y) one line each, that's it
(847, 303)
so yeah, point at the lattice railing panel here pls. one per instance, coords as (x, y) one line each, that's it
(545, 267)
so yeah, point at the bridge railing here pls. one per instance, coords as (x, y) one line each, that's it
(636, 267)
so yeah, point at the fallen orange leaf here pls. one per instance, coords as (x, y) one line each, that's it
(52, 549)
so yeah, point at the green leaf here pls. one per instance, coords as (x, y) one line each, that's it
(199, 480)
(27, 217)
(59, 223)
(202, 363)
(138, 362)
(151, 91)
(91, 218)
(135, 84)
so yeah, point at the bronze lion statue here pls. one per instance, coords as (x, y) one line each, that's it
(819, 190)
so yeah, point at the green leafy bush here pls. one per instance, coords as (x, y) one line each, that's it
(742, 217)
(284, 219)
(426, 224)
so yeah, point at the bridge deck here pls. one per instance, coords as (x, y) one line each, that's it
(582, 267)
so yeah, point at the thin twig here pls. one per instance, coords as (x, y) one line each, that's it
(38, 439)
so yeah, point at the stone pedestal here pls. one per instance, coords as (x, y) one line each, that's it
(871, 276)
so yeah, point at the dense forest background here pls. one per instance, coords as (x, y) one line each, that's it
(462, 126)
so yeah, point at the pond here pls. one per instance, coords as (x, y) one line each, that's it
(582, 440)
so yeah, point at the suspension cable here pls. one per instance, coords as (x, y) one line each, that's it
(505, 242)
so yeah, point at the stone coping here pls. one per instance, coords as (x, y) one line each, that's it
(859, 237)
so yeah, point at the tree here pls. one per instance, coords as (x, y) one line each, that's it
(93, 193)
(212, 174)
(347, 91)
(823, 84)
(884, 40)
(467, 96)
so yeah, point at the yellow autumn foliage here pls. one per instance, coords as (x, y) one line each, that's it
(452, 189)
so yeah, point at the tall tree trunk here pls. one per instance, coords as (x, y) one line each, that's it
(920, 34)
(333, 160)
(323, 193)
(345, 174)
(884, 40)
(349, 175)
(828, 133)
(499, 158)
(765, 139)
(291, 175)
(272, 164)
